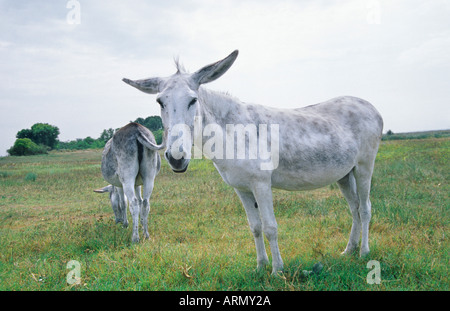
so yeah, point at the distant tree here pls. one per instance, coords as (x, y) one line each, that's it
(389, 132)
(139, 120)
(106, 135)
(25, 133)
(41, 134)
(153, 123)
(81, 144)
(45, 134)
(89, 140)
(159, 136)
(25, 146)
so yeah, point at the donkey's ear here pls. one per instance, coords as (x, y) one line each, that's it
(150, 86)
(214, 71)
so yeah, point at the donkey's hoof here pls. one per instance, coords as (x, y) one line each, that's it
(364, 252)
(349, 251)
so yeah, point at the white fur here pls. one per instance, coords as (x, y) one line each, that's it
(334, 141)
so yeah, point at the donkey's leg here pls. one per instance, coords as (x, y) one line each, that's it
(148, 169)
(115, 203)
(263, 196)
(363, 176)
(147, 192)
(137, 190)
(254, 220)
(129, 191)
(348, 189)
(122, 207)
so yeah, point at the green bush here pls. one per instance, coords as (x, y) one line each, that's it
(30, 177)
(159, 136)
(41, 134)
(81, 144)
(5, 174)
(25, 146)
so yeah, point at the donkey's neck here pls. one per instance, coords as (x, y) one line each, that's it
(218, 107)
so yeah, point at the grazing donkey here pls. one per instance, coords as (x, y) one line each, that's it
(118, 202)
(311, 147)
(129, 160)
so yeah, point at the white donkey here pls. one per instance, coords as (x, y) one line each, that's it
(334, 141)
(130, 160)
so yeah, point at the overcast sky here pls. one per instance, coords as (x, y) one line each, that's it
(393, 53)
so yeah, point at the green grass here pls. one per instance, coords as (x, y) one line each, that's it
(200, 239)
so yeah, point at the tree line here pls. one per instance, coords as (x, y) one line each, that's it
(43, 137)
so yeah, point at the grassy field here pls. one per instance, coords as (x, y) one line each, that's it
(200, 239)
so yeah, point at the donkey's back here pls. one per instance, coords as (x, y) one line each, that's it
(355, 114)
(321, 143)
(130, 152)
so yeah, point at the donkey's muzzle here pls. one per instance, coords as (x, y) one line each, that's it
(178, 165)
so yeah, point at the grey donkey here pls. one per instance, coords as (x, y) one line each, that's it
(131, 160)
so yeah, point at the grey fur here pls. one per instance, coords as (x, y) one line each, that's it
(131, 160)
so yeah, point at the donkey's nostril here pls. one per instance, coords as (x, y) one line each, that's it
(177, 155)
(178, 165)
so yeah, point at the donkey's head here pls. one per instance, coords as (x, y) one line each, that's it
(178, 97)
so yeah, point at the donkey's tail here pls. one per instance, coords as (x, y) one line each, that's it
(149, 144)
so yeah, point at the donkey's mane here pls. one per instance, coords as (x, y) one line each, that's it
(218, 98)
(180, 67)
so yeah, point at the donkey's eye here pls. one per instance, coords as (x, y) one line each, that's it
(192, 102)
(159, 101)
